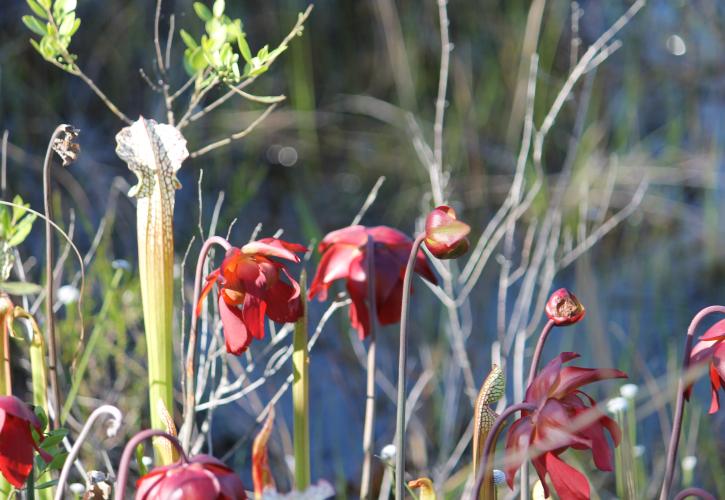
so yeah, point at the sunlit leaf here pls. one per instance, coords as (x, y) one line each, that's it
(218, 8)
(34, 25)
(36, 7)
(20, 288)
(202, 11)
(188, 39)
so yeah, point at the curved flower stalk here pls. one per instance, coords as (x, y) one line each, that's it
(111, 431)
(695, 492)
(443, 238)
(190, 390)
(201, 477)
(706, 349)
(63, 143)
(154, 153)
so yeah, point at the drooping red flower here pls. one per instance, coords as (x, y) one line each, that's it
(565, 417)
(563, 308)
(249, 277)
(17, 445)
(445, 235)
(344, 256)
(711, 349)
(201, 478)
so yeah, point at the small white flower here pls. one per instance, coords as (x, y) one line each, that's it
(121, 264)
(68, 294)
(629, 391)
(387, 454)
(616, 405)
(689, 463)
(639, 450)
(77, 488)
(147, 461)
(499, 477)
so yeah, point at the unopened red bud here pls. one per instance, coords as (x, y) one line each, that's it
(445, 235)
(563, 308)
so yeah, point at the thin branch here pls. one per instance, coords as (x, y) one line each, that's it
(234, 137)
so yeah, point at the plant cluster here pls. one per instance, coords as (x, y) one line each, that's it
(258, 284)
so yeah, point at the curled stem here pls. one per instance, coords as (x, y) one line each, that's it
(111, 431)
(694, 492)
(49, 285)
(190, 397)
(539, 349)
(369, 425)
(402, 359)
(484, 472)
(129, 450)
(680, 405)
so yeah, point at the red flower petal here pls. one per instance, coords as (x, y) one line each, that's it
(16, 449)
(272, 247)
(283, 301)
(715, 332)
(539, 389)
(253, 315)
(573, 377)
(569, 483)
(210, 280)
(517, 443)
(236, 335)
(716, 382)
(335, 264)
(355, 236)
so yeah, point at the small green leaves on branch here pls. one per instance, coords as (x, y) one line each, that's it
(216, 56)
(15, 226)
(55, 24)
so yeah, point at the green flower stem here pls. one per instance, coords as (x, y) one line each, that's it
(190, 389)
(369, 426)
(402, 360)
(680, 405)
(301, 394)
(49, 285)
(39, 372)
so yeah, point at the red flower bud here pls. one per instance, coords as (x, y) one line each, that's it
(563, 308)
(445, 235)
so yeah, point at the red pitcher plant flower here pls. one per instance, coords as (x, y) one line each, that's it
(201, 477)
(251, 287)
(711, 349)
(344, 257)
(17, 446)
(563, 308)
(564, 417)
(445, 235)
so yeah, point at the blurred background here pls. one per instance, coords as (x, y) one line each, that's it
(652, 119)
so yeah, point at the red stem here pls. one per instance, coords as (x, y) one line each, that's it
(130, 449)
(680, 405)
(489, 445)
(190, 399)
(694, 492)
(539, 349)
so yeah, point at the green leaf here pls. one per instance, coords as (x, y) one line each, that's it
(21, 230)
(218, 8)
(58, 461)
(17, 211)
(39, 11)
(76, 25)
(45, 3)
(40, 413)
(20, 287)
(197, 60)
(244, 48)
(36, 46)
(54, 439)
(67, 24)
(188, 39)
(202, 11)
(62, 7)
(47, 484)
(34, 25)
